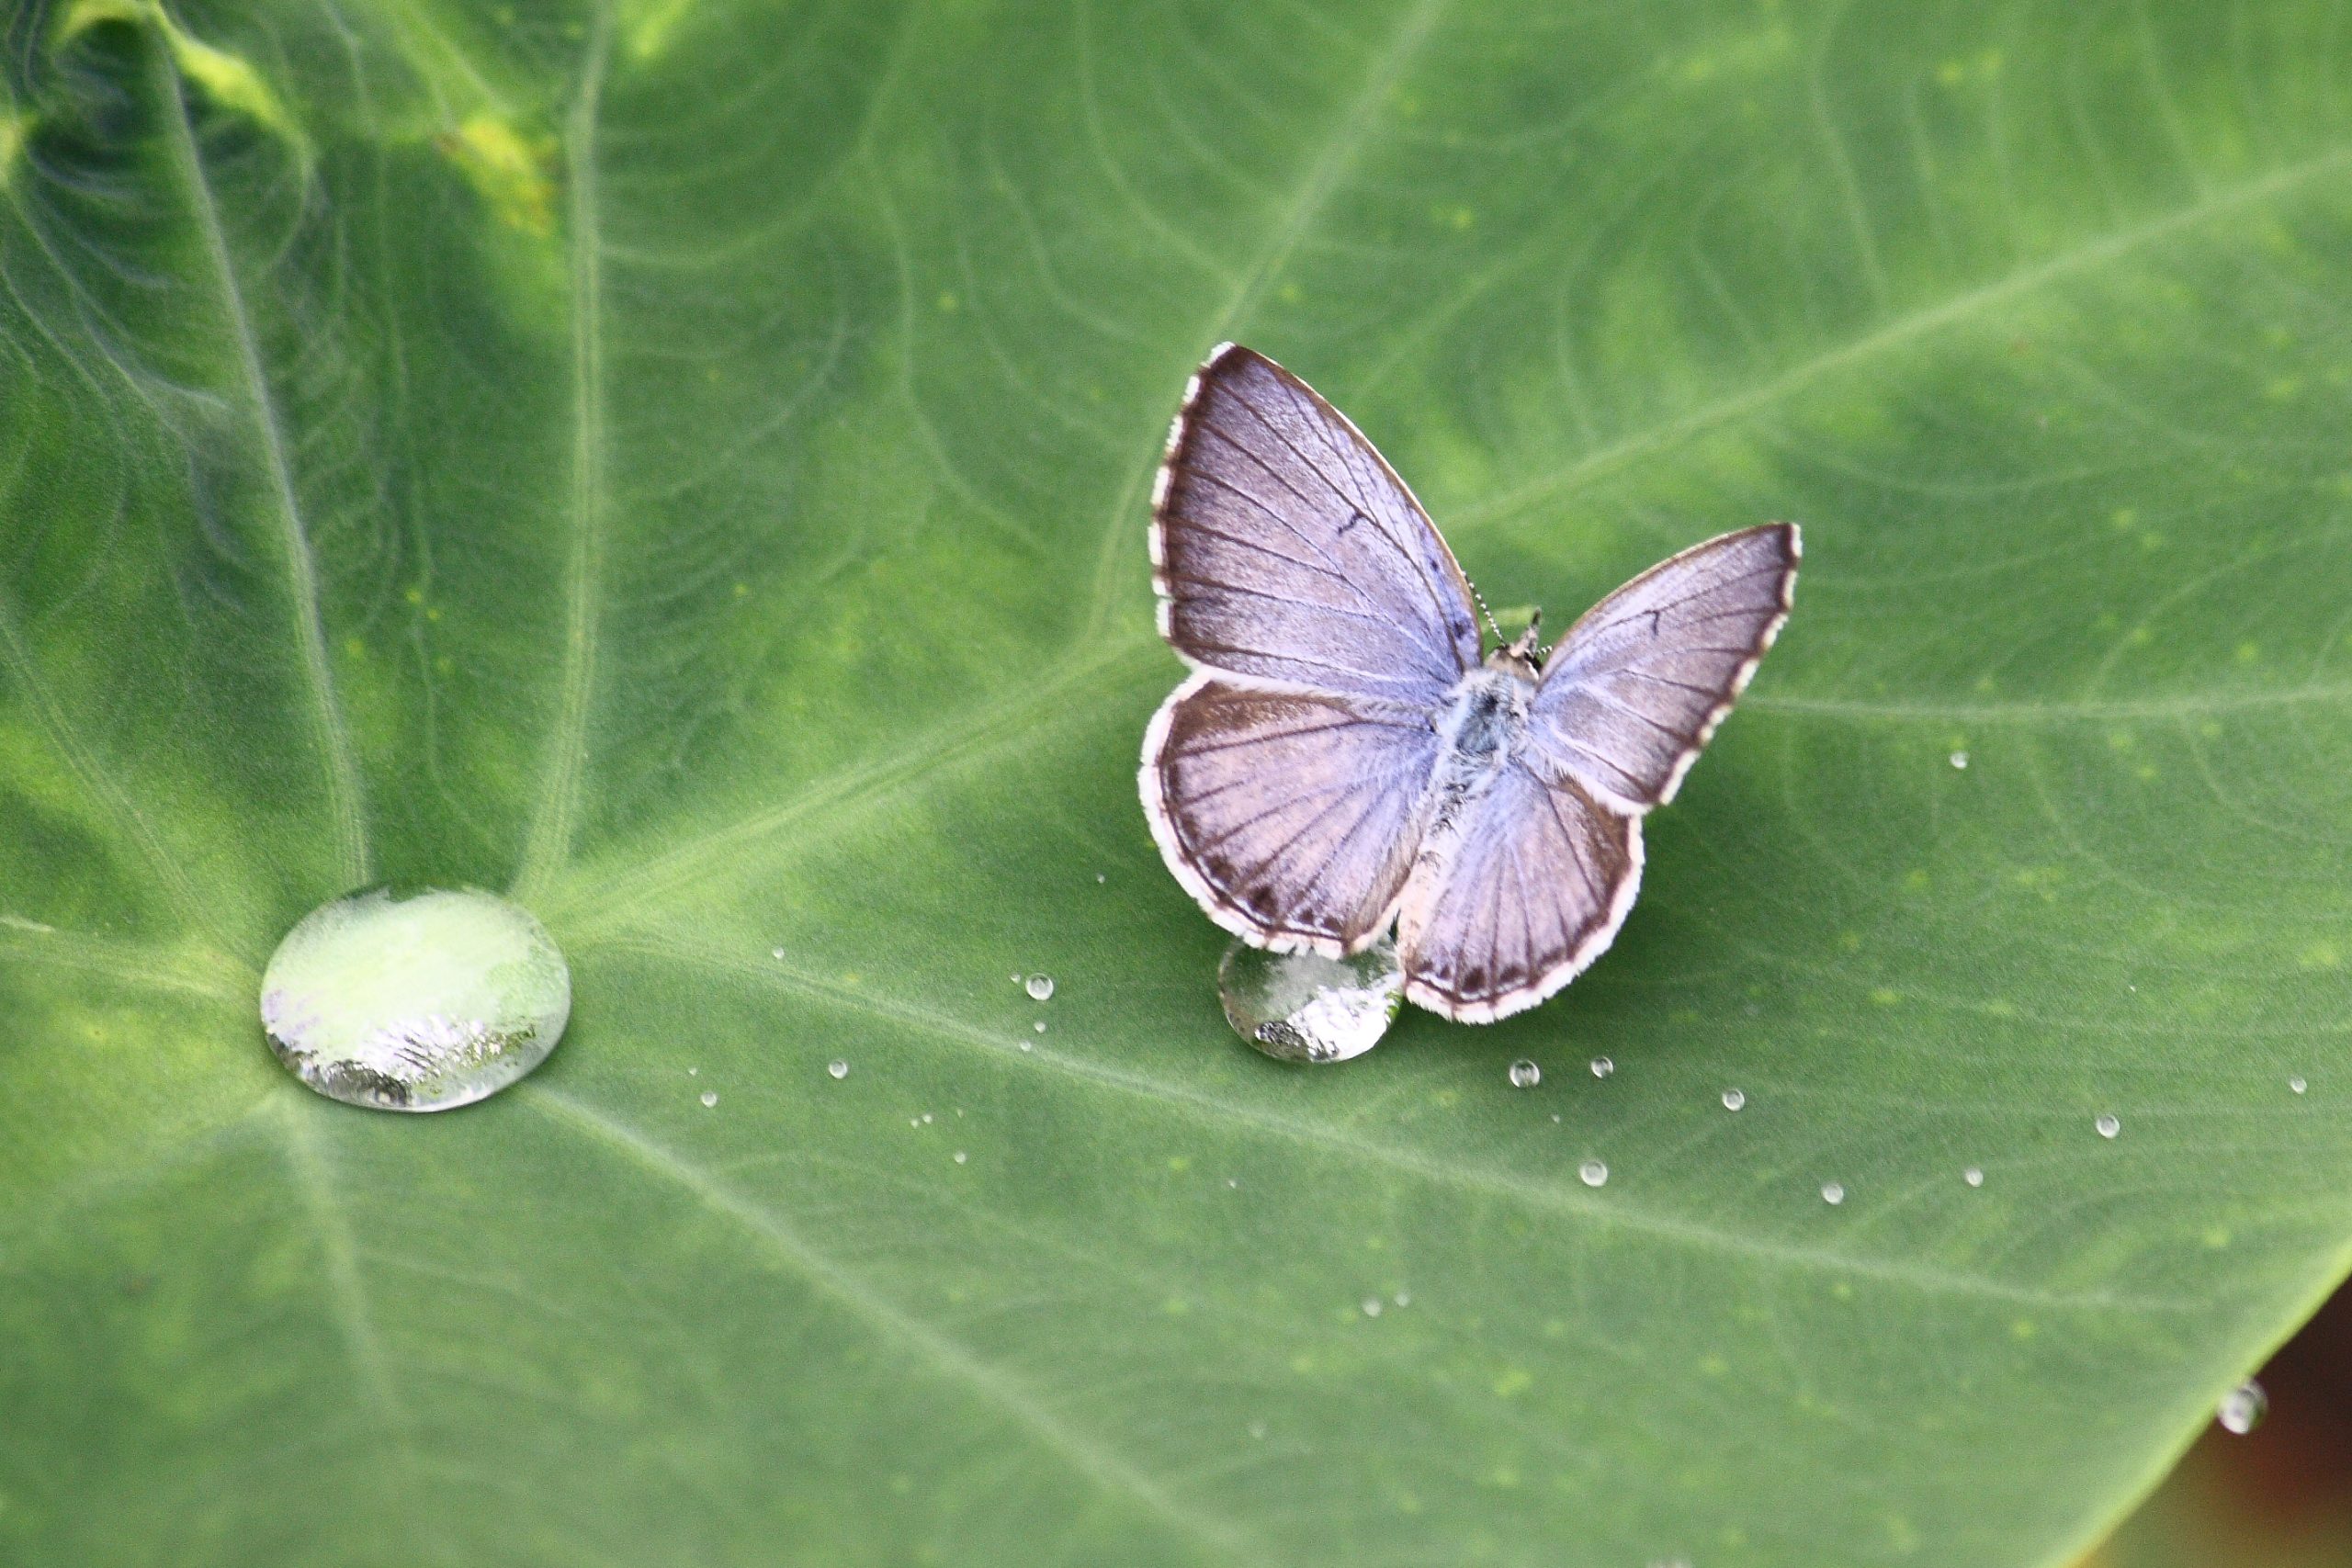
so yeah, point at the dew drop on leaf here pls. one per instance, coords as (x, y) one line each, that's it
(1039, 987)
(1833, 1191)
(1372, 1307)
(1592, 1173)
(1603, 1066)
(1972, 1176)
(2108, 1124)
(1734, 1099)
(838, 1067)
(1525, 1073)
(1302, 1006)
(709, 1098)
(1960, 758)
(2243, 1408)
(415, 1000)
(2296, 1084)
(961, 1157)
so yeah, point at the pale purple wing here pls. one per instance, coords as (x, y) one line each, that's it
(1630, 695)
(1285, 548)
(1529, 890)
(1292, 818)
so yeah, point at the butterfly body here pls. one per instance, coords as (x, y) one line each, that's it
(1343, 759)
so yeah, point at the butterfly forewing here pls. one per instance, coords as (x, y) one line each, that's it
(1630, 695)
(1286, 549)
(1292, 818)
(1528, 889)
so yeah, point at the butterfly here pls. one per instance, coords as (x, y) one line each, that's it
(1342, 758)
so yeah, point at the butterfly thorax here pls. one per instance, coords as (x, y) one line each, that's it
(1482, 726)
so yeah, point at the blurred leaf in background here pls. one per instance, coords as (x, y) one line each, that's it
(683, 462)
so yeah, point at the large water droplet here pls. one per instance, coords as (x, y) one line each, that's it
(1734, 1099)
(2243, 1408)
(1039, 987)
(414, 1001)
(2108, 1125)
(1603, 1066)
(1592, 1173)
(1525, 1073)
(1302, 1006)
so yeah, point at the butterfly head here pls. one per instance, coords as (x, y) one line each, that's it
(1524, 655)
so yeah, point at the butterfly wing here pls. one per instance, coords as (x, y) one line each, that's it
(1530, 888)
(1291, 817)
(1285, 548)
(1630, 695)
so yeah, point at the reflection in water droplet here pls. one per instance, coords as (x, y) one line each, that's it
(1734, 1099)
(1972, 1176)
(414, 1001)
(1592, 1173)
(1525, 1073)
(1039, 987)
(1833, 1191)
(1372, 1307)
(709, 1098)
(2108, 1125)
(2243, 1408)
(1603, 1066)
(838, 1067)
(1960, 758)
(2297, 1085)
(1302, 1006)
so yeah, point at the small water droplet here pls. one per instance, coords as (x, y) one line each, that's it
(2297, 1085)
(776, 953)
(2108, 1124)
(414, 1001)
(1039, 987)
(2243, 1408)
(1525, 1073)
(1233, 1181)
(1972, 1176)
(1028, 1045)
(694, 1072)
(926, 1118)
(1302, 1006)
(1592, 1173)
(1404, 1298)
(710, 1097)
(961, 1157)
(1039, 1026)
(1258, 1430)
(838, 1067)
(1603, 1066)
(1960, 758)
(1100, 877)
(1833, 1191)
(1372, 1307)
(1734, 1099)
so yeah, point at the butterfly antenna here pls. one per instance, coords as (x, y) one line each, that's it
(1492, 625)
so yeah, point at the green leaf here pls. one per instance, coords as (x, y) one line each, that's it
(686, 463)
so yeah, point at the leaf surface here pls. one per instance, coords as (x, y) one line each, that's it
(686, 463)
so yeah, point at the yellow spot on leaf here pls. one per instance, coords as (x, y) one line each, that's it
(1513, 1381)
(513, 173)
(15, 129)
(1885, 997)
(2320, 954)
(649, 30)
(2024, 1329)
(227, 80)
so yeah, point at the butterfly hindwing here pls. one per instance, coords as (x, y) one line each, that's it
(1292, 818)
(1630, 695)
(1529, 888)
(1285, 549)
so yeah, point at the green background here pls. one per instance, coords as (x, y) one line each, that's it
(686, 463)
